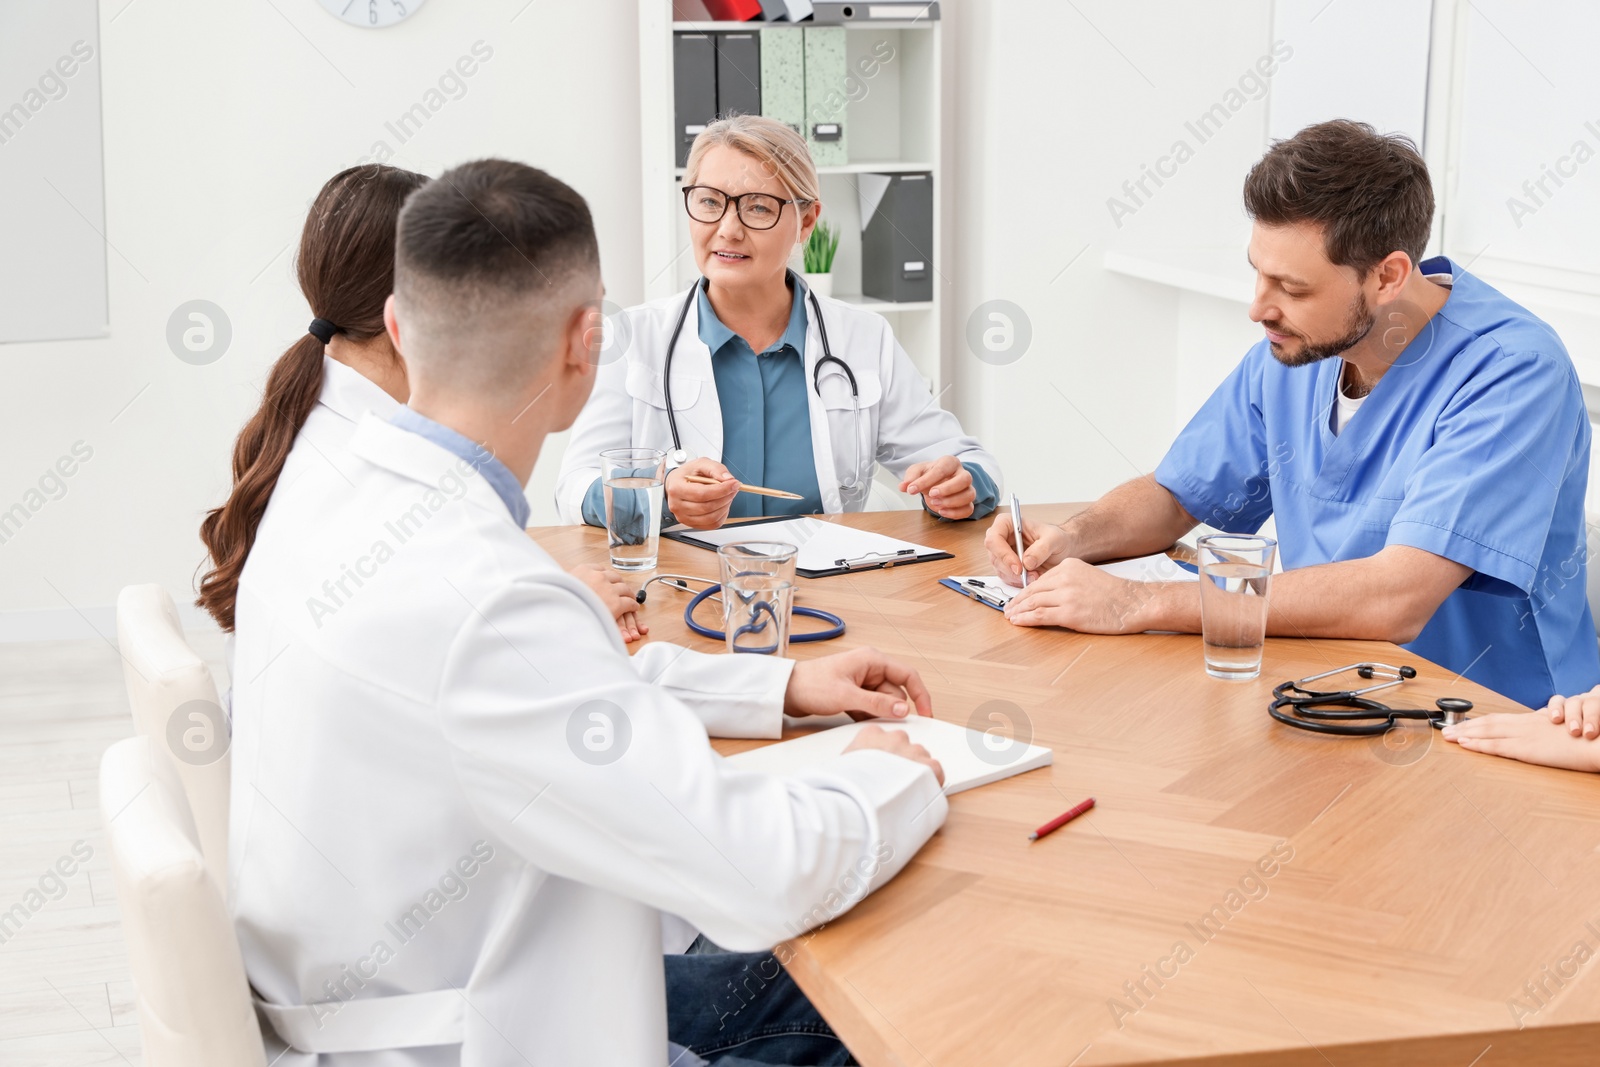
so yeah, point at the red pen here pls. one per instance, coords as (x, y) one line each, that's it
(1061, 820)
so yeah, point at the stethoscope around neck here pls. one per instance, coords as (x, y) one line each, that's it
(680, 456)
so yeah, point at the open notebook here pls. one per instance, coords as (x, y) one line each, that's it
(969, 758)
(825, 547)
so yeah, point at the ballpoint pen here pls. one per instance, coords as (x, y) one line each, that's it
(1016, 525)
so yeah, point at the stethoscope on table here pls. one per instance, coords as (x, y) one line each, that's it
(680, 456)
(758, 623)
(1349, 712)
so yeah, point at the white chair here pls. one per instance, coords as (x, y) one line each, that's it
(191, 993)
(883, 494)
(163, 674)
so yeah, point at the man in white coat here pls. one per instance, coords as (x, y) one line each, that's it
(459, 808)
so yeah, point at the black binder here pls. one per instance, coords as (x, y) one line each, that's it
(897, 241)
(738, 74)
(694, 89)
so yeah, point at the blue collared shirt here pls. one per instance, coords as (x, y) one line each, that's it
(766, 416)
(766, 420)
(497, 474)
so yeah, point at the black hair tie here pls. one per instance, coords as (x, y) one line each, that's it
(322, 330)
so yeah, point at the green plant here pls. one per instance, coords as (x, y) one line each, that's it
(820, 248)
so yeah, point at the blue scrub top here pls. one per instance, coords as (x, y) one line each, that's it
(1473, 446)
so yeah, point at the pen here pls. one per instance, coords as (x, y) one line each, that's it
(1016, 524)
(758, 490)
(1061, 820)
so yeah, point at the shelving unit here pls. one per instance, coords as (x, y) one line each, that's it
(895, 119)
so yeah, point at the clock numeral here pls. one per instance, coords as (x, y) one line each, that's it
(372, 12)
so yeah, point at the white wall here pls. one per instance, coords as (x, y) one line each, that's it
(221, 122)
(1056, 107)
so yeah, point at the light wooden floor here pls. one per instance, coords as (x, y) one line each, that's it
(65, 995)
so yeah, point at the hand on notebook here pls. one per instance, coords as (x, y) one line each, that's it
(1044, 544)
(617, 595)
(863, 682)
(702, 507)
(944, 483)
(896, 743)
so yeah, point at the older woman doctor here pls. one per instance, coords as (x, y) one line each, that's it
(751, 379)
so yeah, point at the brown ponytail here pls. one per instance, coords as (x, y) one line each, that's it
(346, 271)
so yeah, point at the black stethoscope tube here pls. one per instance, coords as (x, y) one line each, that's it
(1347, 713)
(816, 371)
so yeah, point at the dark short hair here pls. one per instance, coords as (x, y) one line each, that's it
(494, 228)
(1368, 191)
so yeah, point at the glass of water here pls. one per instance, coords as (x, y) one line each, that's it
(757, 595)
(632, 479)
(1235, 577)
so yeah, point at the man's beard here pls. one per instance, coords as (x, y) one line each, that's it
(1357, 326)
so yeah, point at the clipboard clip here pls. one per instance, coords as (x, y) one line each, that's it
(991, 599)
(876, 560)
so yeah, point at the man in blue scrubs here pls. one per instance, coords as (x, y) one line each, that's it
(1421, 439)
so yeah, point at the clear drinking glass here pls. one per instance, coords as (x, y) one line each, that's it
(1235, 578)
(757, 595)
(632, 479)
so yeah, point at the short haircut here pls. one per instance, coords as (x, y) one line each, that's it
(484, 241)
(1368, 191)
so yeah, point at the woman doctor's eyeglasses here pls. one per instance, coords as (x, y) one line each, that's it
(758, 211)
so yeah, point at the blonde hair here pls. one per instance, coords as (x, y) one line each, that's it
(781, 151)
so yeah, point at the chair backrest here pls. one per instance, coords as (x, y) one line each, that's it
(175, 705)
(191, 992)
(883, 493)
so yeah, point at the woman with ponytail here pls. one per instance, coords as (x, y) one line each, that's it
(343, 367)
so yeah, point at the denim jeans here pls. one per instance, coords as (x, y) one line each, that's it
(739, 1009)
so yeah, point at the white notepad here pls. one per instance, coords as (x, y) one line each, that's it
(1157, 567)
(823, 545)
(969, 758)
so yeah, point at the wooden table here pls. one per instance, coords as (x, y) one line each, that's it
(1422, 902)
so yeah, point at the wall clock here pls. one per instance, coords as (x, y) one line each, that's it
(371, 14)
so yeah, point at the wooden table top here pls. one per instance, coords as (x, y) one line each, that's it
(1244, 893)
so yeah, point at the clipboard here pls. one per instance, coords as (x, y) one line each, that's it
(983, 594)
(849, 563)
(1166, 566)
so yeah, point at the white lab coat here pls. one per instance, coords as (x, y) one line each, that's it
(429, 725)
(324, 437)
(900, 421)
